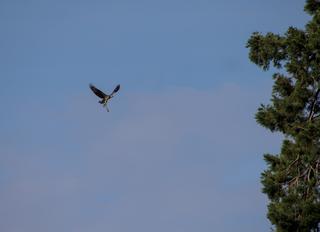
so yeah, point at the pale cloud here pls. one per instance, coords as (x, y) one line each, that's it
(178, 160)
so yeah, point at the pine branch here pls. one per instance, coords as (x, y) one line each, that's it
(313, 105)
(314, 117)
(293, 162)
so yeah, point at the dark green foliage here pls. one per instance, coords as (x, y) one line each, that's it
(292, 179)
(312, 6)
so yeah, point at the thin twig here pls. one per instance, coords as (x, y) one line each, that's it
(298, 157)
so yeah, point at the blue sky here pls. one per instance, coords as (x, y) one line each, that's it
(179, 151)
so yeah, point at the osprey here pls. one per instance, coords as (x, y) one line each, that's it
(104, 97)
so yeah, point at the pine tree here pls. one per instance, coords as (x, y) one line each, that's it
(292, 179)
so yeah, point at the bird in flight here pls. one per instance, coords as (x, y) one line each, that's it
(104, 97)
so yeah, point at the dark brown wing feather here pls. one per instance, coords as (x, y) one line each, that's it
(97, 92)
(116, 89)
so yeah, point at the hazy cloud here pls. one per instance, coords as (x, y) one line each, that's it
(177, 160)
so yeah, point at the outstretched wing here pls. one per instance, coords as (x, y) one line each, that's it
(97, 92)
(116, 89)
